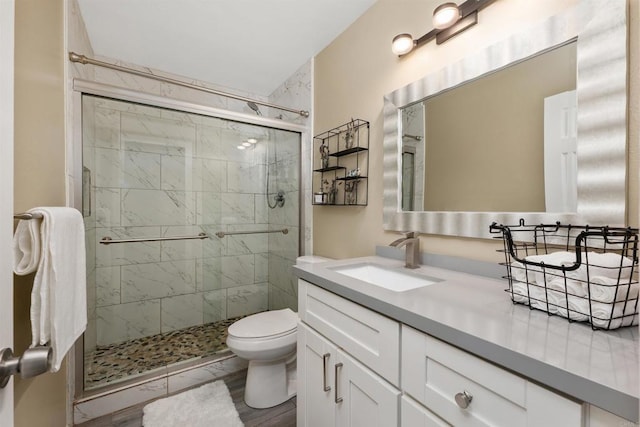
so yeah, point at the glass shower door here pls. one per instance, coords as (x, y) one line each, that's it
(153, 174)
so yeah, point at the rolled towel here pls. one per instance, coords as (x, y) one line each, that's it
(522, 272)
(605, 289)
(556, 259)
(538, 298)
(578, 309)
(549, 301)
(621, 315)
(519, 292)
(608, 265)
(569, 286)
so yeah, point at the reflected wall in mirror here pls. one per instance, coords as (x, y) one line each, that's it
(484, 142)
(600, 174)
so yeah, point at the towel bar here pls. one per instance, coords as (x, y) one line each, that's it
(108, 240)
(229, 233)
(27, 215)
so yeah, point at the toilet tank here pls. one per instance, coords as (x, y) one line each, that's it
(310, 259)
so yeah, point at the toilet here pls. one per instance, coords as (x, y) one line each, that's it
(268, 341)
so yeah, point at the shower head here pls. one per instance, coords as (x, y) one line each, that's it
(254, 107)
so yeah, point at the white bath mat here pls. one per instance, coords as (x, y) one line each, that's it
(206, 406)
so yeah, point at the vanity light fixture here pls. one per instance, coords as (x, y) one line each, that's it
(446, 15)
(449, 20)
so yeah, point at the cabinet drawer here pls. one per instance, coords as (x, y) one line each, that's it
(371, 338)
(434, 372)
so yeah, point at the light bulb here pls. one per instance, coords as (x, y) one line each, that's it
(241, 147)
(445, 15)
(402, 44)
(246, 144)
(252, 140)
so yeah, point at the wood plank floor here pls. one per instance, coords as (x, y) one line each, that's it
(283, 415)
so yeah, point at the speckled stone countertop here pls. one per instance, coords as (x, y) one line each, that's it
(475, 314)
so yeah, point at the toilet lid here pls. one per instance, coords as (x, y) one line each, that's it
(265, 324)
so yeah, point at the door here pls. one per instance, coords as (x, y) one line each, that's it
(6, 196)
(365, 399)
(316, 361)
(560, 158)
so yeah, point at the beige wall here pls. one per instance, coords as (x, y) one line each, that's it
(354, 73)
(39, 176)
(485, 140)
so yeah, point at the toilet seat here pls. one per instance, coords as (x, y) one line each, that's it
(265, 325)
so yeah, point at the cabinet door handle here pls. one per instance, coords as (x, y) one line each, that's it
(338, 366)
(464, 399)
(325, 359)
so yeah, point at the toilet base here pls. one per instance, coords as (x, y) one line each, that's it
(270, 383)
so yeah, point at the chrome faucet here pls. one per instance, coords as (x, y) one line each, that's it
(412, 251)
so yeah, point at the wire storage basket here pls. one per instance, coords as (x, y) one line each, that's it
(582, 273)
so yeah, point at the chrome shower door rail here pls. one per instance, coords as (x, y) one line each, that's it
(221, 234)
(108, 240)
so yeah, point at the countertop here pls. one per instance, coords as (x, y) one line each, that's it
(475, 314)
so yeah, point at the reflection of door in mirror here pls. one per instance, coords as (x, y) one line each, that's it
(484, 140)
(560, 152)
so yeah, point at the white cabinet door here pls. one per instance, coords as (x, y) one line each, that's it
(412, 414)
(364, 398)
(316, 360)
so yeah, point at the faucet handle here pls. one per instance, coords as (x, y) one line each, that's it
(410, 234)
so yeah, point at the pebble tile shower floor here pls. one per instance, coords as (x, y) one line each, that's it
(110, 363)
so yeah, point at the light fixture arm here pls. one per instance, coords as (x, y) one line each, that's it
(468, 17)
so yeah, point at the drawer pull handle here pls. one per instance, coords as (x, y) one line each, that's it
(338, 366)
(325, 359)
(464, 399)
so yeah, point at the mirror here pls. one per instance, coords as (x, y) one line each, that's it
(488, 139)
(600, 165)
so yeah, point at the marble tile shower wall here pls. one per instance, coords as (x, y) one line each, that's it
(163, 173)
(296, 91)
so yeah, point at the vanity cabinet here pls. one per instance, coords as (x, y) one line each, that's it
(464, 390)
(334, 389)
(348, 362)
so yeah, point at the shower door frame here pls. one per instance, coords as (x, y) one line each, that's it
(84, 87)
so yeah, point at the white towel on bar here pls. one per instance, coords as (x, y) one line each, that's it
(58, 297)
(26, 247)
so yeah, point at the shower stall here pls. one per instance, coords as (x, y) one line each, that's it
(192, 222)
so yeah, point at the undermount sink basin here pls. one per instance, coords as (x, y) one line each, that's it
(394, 279)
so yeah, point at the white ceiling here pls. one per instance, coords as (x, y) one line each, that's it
(251, 45)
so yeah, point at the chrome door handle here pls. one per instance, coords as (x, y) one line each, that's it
(338, 366)
(325, 359)
(464, 399)
(34, 361)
